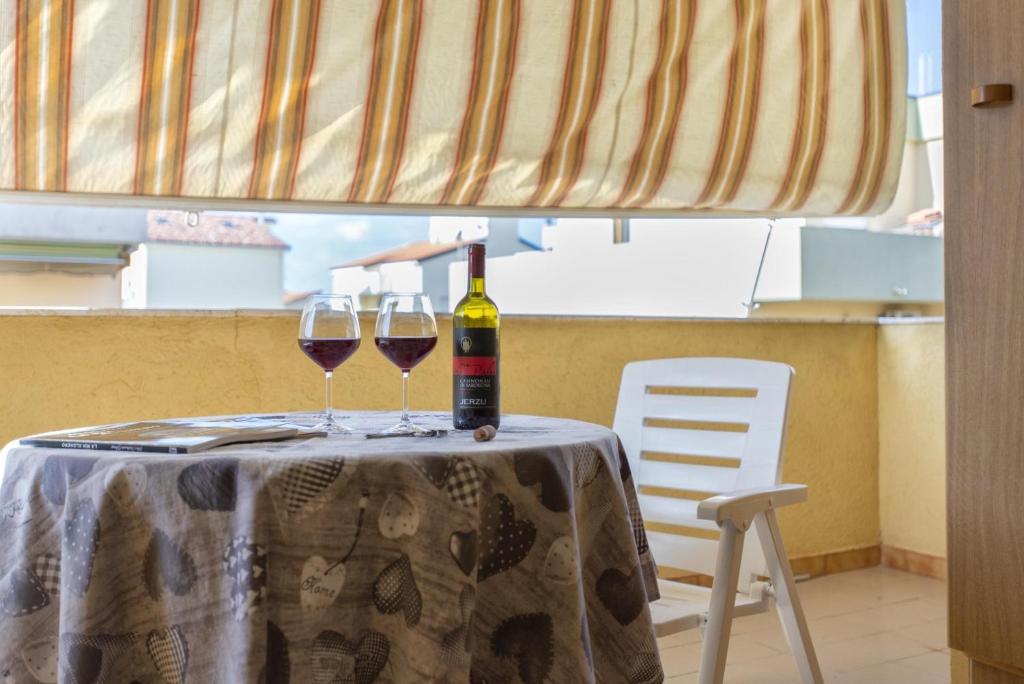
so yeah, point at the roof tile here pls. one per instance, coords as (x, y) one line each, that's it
(414, 251)
(212, 229)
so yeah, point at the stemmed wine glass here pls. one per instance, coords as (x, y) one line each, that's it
(329, 335)
(406, 334)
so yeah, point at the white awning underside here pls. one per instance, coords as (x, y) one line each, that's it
(782, 107)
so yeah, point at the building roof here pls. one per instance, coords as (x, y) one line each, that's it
(414, 251)
(293, 297)
(212, 229)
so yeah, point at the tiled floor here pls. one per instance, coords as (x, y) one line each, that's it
(874, 626)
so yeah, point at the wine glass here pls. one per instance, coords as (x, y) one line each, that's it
(406, 333)
(329, 335)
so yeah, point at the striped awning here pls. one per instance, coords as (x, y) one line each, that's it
(769, 106)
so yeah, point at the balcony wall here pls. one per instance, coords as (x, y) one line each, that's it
(62, 371)
(912, 444)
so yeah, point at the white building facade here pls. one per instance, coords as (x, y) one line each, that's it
(221, 262)
(179, 276)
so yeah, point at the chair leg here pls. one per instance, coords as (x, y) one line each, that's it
(723, 600)
(786, 598)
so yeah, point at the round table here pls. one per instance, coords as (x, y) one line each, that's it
(327, 560)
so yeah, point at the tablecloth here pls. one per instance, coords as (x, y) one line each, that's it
(330, 560)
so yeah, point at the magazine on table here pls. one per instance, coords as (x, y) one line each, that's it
(170, 436)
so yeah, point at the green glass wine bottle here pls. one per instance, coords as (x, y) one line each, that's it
(476, 395)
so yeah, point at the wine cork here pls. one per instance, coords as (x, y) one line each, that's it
(484, 433)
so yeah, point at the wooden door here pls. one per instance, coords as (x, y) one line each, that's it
(983, 43)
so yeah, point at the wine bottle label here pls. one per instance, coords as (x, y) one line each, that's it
(475, 367)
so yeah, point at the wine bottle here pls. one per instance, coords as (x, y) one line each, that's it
(475, 378)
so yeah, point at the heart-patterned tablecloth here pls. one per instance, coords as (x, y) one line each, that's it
(338, 560)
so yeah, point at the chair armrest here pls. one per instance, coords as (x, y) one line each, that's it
(743, 504)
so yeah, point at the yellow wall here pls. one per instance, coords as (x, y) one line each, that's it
(61, 371)
(911, 436)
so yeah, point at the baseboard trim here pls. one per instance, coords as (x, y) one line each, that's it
(831, 562)
(812, 565)
(913, 562)
(818, 564)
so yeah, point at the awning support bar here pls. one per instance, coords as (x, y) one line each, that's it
(750, 305)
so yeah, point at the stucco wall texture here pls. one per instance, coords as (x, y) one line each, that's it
(61, 371)
(912, 436)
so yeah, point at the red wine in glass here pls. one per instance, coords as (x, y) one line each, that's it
(405, 352)
(406, 332)
(329, 353)
(329, 335)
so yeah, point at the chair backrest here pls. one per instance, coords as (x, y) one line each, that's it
(695, 427)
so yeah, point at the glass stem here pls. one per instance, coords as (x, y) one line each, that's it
(328, 399)
(405, 396)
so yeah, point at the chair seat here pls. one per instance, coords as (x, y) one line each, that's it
(683, 606)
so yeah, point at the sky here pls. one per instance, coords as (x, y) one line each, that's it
(924, 47)
(320, 241)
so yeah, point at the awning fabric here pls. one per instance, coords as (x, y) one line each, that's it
(769, 106)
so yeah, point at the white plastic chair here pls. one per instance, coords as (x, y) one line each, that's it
(704, 441)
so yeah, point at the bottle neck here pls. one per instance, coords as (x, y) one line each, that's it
(476, 286)
(476, 271)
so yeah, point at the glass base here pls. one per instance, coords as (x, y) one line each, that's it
(331, 426)
(404, 427)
